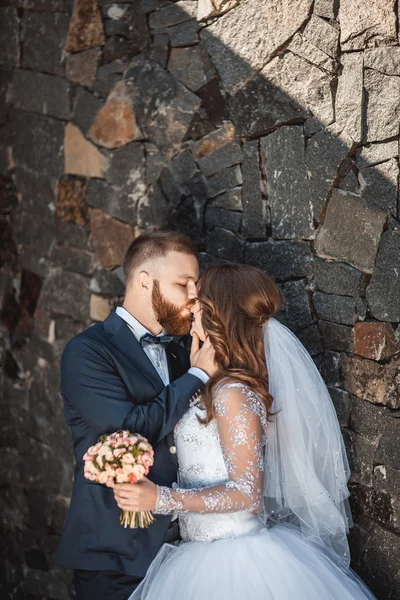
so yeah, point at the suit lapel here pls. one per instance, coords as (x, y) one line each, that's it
(124, 340)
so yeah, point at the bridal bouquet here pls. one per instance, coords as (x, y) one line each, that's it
(121, 457)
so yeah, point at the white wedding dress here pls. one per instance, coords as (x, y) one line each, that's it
(227, 553)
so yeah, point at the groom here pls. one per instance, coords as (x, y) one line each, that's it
(128, 373)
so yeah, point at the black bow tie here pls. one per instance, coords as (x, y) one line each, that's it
(161, 340)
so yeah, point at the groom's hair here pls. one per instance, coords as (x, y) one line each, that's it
(153, 245)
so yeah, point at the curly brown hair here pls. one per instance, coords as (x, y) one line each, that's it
(236, 301)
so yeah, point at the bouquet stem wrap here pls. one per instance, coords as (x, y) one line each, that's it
(121, 457)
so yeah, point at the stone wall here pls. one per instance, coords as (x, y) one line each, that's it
(267, 130)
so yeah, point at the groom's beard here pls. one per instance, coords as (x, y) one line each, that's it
(170, 315)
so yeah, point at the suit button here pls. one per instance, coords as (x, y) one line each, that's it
(173, 449)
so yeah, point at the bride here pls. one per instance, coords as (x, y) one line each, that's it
(262, 493)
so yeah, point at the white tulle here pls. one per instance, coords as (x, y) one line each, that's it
(276, 564)
(306, 467)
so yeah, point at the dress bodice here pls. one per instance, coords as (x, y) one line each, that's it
(204, 462)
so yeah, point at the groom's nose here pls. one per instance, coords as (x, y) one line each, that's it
(191, 291)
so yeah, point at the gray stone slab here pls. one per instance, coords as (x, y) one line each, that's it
(191, 66)
(226, 219)
(387, 452)
(228, 155)
(127, 168)
(66, 293)
(70, 234)
(336, 337)
(181, 11)
(306, 49)
(112, 201)
(160, 49)
(6, 74)
(259, 107)
(38, 143)
(350, 95)
(324, 155)
(106, 283)
(172, 190)
(383, 293)
(254, 208)
(311, 88)
(351, 231)
(330, 368)
(163, 106)
(86, 107)
(325, 8)
(107, 76)
(37, 197)
(372, 154)
(311, 340)
(81, 67)
(323, 35)
(334, 308)
(287, 177)
(128, 21)
(152, 209)
(44, 37)
(225, 244)
(379, 185)
(280, 259)
(155, 162)
(37, 92)
(297, 305)
(384, 60)
(77, 261)
(362, 29)
(224, 180)
(184, 34)
(342, 403)
(239, 51)
(46, 5)
(338, 278)
(383, 110)
(230, 200)
(9, 37)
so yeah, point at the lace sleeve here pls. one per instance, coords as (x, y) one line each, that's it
(240, 416)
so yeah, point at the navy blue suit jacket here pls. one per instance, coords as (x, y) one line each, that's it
(108, 383)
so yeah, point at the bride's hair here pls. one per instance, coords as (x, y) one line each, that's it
(237, 300)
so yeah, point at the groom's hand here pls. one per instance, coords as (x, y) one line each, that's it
(204, 357)
(136, 497)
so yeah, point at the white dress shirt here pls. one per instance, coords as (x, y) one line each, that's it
(155, 352)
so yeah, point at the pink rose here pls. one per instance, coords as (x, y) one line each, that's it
(103, 477)
(139, 471)
(127, 469)
(118, 451)
(144, 446)
(127, 459)
(147, 459)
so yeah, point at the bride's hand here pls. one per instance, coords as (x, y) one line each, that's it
(136, 497)
(204, 357)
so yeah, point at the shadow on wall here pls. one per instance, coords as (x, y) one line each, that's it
(266, 133)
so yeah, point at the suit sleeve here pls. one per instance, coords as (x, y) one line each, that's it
(90, 385)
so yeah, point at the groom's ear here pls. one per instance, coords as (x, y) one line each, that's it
(145, 281)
